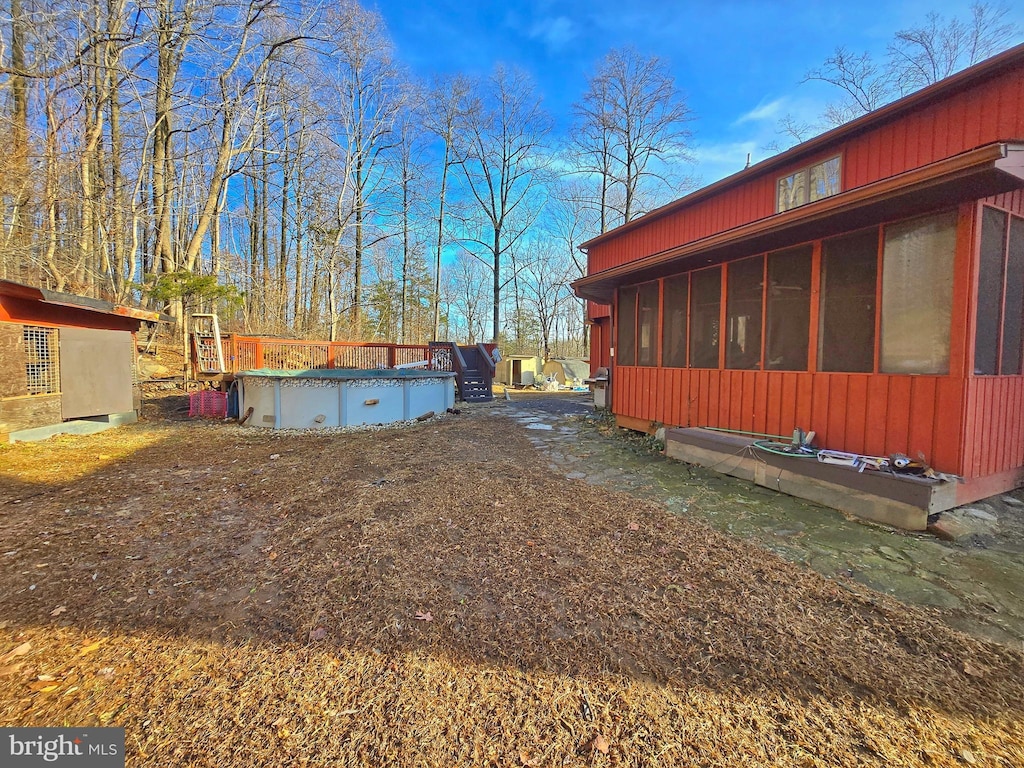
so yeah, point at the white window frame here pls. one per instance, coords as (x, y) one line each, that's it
(794, 189)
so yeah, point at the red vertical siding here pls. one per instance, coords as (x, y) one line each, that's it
(875, 415)
(990, 110)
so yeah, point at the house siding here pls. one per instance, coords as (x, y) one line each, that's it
(989, 111)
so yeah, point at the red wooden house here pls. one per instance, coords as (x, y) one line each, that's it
(867, 284)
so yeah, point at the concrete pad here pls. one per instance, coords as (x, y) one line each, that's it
(88, 426)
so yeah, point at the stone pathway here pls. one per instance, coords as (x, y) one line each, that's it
(975, 583)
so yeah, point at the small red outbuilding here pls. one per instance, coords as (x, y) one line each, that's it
(65, 359)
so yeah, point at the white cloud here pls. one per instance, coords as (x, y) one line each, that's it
(556, 32)
(773, 110)
(715, 161)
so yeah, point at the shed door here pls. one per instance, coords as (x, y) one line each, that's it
(95, 372)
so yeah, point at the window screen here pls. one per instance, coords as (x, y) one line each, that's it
(42, 374)
(705, 308)
(1010, 364)
(626, 343)
(743, 314)
(788, 315)
(917, 294)
(676, 294)
(990, 291)
(846, 331)
(647, 325)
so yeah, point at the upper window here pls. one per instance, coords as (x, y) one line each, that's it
(808, 184)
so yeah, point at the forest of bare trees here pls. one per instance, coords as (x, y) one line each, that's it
(272, 160)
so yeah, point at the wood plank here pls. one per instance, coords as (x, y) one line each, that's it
(788, 405)
(921, 429)
(804, 392)
(819, 408)
(761, 401)
(897, 430)
(856, 413)
(875, 415)
(837, 409)
(749, 407)
(948, 440)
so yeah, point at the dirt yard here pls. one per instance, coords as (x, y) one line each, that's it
(435, 596)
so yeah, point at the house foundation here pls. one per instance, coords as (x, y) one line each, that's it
(902, 501)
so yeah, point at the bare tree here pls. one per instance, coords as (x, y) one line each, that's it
(917, 56)
(370, 98)
(544, 282)
(443, 110)
(935, 50)
(464, 290)
(633, 132)
(501, 154)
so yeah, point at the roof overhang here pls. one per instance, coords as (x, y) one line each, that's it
(979, 173)
(74, 301)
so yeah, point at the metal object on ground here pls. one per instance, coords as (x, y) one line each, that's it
(599, 383)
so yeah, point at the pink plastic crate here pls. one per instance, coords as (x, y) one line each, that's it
(208, 404)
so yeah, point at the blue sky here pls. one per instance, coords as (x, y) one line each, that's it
(738, 63)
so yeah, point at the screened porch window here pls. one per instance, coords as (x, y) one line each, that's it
(743, 314)
(673, 332)
(788, 315)
(846, 318)
(997, 344)
(917, 295)
(626, 342)
(705, 319)
(647, 324)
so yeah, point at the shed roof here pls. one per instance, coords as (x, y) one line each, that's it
(74, 301)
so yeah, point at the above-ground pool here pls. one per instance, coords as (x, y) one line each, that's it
(341, 397)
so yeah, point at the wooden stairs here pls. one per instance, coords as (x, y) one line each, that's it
(473, 367)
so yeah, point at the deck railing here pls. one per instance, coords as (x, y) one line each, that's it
(246, 353)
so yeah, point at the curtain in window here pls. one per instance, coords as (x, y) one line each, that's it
(917, 294)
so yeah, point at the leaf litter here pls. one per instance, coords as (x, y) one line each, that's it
(551, 639)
